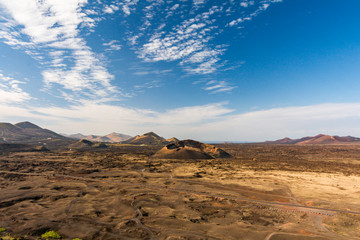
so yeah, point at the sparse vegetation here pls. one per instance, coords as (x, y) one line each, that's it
(51, 234)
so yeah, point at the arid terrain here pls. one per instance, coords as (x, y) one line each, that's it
(267, 192)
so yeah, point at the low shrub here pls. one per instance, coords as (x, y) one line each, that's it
(51, 234)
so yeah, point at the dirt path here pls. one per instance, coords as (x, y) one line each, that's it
(268, 237)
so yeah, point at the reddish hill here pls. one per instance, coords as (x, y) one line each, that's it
(318, 139)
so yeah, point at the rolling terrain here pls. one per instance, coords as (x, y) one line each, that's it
(263, 191)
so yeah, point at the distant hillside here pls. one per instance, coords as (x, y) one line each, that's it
(112, 137)
(31, 134)
(25, 132)
(318, 139)
(149, 138)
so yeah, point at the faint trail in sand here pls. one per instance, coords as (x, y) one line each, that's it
(268, 237)
(139, 216)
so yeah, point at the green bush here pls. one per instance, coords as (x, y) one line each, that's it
(2, 230)
(77, 239)
(51, 234)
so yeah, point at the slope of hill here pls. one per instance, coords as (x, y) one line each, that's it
(11, 133)
(37, 132)
(172, 140)
(318, 139)
(25, 132)
(149, 138)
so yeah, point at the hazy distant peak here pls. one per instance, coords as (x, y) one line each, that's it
(112, 137)
(318, 139)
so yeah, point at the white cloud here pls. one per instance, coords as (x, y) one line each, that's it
(111, 9)
(294, 122)
(109, 118)
(247, 3)
(262, 6)
(10, 91)
(113, 45)
(218, 86)
(50, 29)
(198, 2)
(204, 122)
(191, 41)
(187, 42)
(152, 84)
(128, 5)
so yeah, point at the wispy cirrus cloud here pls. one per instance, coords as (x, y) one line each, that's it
(50, 32)
(10, 91)
(257, 9)
(151, 84)
(113, 45)
(218, 86)
(186, 42)
(194, 41)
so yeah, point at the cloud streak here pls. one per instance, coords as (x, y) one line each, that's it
(10, 91)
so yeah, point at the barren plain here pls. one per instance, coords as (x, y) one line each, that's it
(267, 192)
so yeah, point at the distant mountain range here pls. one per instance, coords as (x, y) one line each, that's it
(29, 133)
(112, 137)
(318, 139)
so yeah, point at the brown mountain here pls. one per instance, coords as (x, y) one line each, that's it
(190, 149)
(26, 132)
(149, 138)
(318, 139)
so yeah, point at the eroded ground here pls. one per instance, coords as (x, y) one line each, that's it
(264, 192)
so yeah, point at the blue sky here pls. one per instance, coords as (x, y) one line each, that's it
(208, 70)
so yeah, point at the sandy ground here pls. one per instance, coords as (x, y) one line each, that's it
(270, 193)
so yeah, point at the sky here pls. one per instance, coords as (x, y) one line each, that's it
(231, 70)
